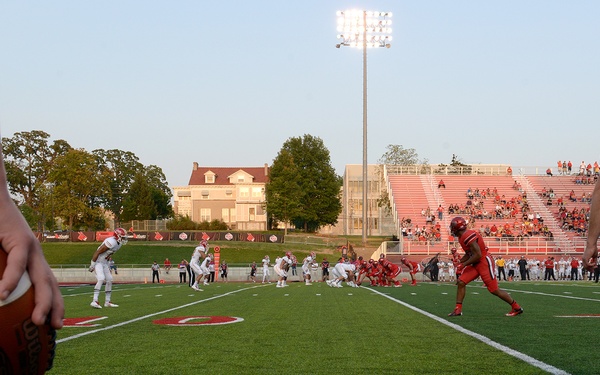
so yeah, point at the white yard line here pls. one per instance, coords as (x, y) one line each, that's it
(524, 357)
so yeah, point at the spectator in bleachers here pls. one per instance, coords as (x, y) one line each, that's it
(582, 168)
(588, 170)
(564, 167)
(441, 184)
(470, 193)
(549, 172)
(559, 167)
(440, 211)
(569, 166)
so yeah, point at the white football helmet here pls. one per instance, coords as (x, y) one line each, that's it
(121, 235)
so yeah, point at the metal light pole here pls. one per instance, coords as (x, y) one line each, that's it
(366, 29)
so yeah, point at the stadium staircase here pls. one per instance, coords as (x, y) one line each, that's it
(538, 206)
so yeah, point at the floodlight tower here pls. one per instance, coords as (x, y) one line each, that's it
(364, 29)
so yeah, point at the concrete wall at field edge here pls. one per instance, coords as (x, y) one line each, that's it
(142, 275)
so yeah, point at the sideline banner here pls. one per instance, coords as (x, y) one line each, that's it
(179, 236)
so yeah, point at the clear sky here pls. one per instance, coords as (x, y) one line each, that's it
(225, 83)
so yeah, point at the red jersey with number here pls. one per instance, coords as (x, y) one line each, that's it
(470, 236)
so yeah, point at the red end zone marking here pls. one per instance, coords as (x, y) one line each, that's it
(579, 316)
(187, 321)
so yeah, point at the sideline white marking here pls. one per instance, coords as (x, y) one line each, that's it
(552, 295)
(522, 356)
(151, 315)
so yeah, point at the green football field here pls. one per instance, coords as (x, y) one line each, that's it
(245, 328)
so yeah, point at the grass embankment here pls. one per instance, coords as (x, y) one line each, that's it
(66, 254)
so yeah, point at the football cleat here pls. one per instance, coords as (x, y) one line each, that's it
(515, 312)
(95, 305)
(110, 304)
(196, 288)
(456, 312)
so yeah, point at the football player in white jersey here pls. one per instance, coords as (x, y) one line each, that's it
(205, 268)
(281, 268)
(99, 265)
(198, 257)
(342, 271)
(266, 265)
(307, 265)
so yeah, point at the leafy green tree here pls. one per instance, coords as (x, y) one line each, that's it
(148, 198)
(179, 222)
(303, 185)
(398, 155)
(122, 166)
(28, 160)
(161, 193)
(138, 203)
(78, 180)
(283, 192)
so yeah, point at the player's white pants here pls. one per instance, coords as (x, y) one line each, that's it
(196, 268)
(279, 271)
(339, 271)
(103, 275)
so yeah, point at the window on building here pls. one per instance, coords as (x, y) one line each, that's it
(205, 194)
(252, 214)
(225, 215)
(256, 192)
(244, 192)
(209, 178)
(205, 214)
(240, 178)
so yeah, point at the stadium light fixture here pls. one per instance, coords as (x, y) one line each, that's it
(364, 29)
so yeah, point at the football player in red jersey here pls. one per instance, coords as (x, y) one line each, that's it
(390, 271)
(477, 263)
(458, 266)
(361, 268)
(413, 268)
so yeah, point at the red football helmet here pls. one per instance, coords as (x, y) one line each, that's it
(453, 250)
(403, 260)
(457, 224)
(288, 254)
(121, 234)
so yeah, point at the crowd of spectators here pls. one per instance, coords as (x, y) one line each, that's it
(573, 219)
(588, 173)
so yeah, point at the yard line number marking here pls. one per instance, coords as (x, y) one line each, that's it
(152, 315)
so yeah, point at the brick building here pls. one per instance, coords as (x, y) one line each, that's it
(235, 195)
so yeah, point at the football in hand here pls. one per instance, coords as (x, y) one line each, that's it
(24, 347)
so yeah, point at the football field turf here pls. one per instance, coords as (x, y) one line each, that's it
(245, 328)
